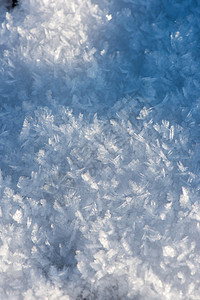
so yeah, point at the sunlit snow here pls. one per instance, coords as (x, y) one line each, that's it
(99, 150)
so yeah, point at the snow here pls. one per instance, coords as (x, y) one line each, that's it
(99, 150)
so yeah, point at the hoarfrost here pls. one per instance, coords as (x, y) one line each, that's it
(99, 150)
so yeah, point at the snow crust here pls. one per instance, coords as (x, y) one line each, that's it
(99, 150)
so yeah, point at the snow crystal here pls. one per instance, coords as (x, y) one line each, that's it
(18, 216)
(169, 251)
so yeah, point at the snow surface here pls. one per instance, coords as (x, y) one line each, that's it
(100, 150)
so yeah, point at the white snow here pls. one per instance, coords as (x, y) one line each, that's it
(99, 150)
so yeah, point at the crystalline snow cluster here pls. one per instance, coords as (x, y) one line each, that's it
(99, 150)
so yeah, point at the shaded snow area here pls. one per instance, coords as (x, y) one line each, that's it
(100, 150)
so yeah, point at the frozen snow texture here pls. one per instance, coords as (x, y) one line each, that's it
(99, 150)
